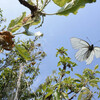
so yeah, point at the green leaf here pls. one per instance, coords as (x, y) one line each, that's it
(58, 64)
(68, 72)
(96, 67)
(73, 7)
(49, 93)
(94, 85)
(60, 69)
(30, 2)
(42, 1)
(44, 87)
(71, 69)
(97, 72)
(61, 3)
(23, 52)
(94, 81)
(77, 80)
(15, 24)
(99, 95)
(80, 76)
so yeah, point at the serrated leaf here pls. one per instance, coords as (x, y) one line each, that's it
(23, 52)
(73, 7)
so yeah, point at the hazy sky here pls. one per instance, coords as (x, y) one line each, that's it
(57, 33)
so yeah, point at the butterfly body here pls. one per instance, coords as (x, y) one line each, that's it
(91, 47)
(86, 51)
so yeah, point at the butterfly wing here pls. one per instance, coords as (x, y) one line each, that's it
(78, 43)
(82, 54)
(90, 58)
(97, 52)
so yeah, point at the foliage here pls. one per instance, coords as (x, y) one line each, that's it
(19, 66)
(11, 64)
(62, 86)
(71, 6)
(67, 7)
(1, 15)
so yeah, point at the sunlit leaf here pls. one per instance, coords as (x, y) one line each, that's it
(61, 3)
(73, 7)
(23, 52)
(97, 72)
(71, 69)
(30, 2)
(42, 1)
(94, 85)
(58, 64)
(15, 24)
(49, 93)
(96, 67)
(68, 72)
(80, 76)
(94, 81)
(77, 80)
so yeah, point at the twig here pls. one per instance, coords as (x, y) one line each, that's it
(64, 68)
(6, 64)
(18, 82)
(45, 4)
(41, 23)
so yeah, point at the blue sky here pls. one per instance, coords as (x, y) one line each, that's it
(57, 33)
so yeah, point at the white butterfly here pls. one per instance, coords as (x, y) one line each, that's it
(86, 51)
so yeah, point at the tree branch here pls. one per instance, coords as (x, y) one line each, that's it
(31, 7)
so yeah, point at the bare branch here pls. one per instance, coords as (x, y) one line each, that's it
(31, 7)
